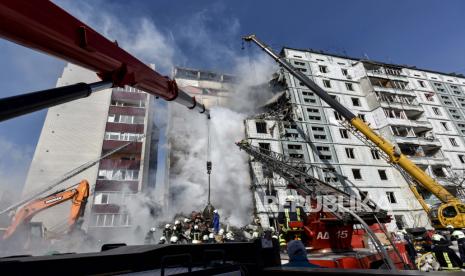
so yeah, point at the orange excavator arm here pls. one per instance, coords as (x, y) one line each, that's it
(78, 195)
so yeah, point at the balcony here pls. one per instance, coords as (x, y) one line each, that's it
(429, 160)
(390, 74)
(116, 186)
(398, 91)
(414, 106)
(422, 141)
(410, 123)
(105, 208)
(127, 110)
(126, 128)
(119, 164)
(119, 95)
(134, 147)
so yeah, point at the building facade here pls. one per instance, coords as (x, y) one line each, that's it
(80, 131)
(420, 111)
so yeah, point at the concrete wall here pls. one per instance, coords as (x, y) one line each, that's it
(71, 136)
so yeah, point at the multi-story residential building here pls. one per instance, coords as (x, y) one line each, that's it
(81, 131)
(418, 110)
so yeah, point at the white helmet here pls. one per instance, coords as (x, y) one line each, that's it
(205, 237)
(437, 237)
(215, 211)
(458, 234)
(196, 227)
(255, 234)
(211, 236)
(450, 227)
(274, 237)
(152, 229)
(290, 198)
(174, 239)
(177, 222)
(162, 238)
(221, 232)
(186, 220)
(229, 236)
(167, 226)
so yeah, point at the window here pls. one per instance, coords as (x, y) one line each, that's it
(261, 127)
(299, 63)
(453, 142)
(122, 136)
(445, 126)
(264, 147)
(118, 174)
(362, 116)
(349, 86)
(294, 146)
(338, 116)
(344, 72)
(323, 69)
(327, 83)
(350, 153)
(355, 101)
(391, 197)
(421, 83)
(344, 133)
(436, 111)
(429, 97)
(462, 158)
(319, 136)
(356, 173)
(382, 174)
(375, 154)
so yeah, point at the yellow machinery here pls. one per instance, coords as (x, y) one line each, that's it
(450, 212)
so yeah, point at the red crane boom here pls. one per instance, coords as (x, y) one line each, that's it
(43, 26)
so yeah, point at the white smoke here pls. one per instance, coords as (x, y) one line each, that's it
(230, 191)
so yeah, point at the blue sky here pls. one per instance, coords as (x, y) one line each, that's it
(206, 34)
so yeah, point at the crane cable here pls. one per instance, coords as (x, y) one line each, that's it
(209, 162)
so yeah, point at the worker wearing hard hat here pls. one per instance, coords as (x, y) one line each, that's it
(196, 234)
(460, 237)
(446, 257)
(167, 232)
(291, 221)
(150, 237)
(216, 221)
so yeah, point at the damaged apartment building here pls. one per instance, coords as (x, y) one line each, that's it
(420, 111)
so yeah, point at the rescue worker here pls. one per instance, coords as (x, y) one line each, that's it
(174, 239)
(446, 257)
(291, 213)
(195, 234)
(219, 238)
(205, 239)
(167, 232)
(229, 237)
(216, 221)
(298, 255)
(177, 229)
(150, 237)
(186, 225)
(162, 240)
(460, 237)
(211, 238)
